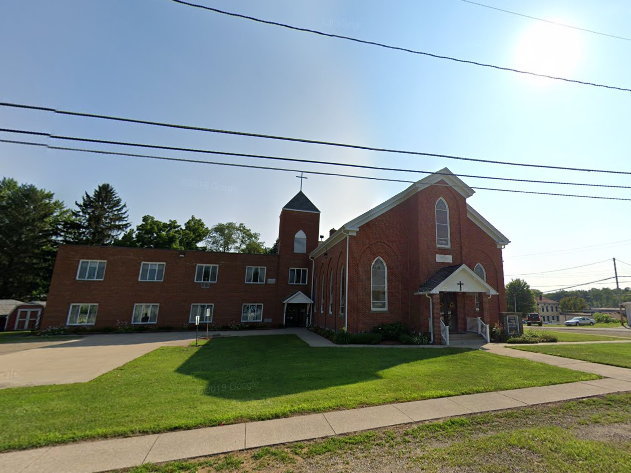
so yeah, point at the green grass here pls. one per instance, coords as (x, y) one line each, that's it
(570, 336)
(597, 325)
(252, 378)
(616, 354)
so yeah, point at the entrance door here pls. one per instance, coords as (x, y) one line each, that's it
(296, 315)
(449, 310)
(26, 319)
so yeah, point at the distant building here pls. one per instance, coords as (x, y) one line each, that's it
(18, 315)
(548, 310)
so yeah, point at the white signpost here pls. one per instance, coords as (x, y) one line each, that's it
(196, 329)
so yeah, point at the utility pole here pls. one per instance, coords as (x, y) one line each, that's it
(615, 271)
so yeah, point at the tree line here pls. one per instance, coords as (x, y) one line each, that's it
(33, 224)
(521, 298)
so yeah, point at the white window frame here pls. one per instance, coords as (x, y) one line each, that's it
(27, 320)
(143, 305)
(331, 293)
(372, 285)
(164, 267)
(210, 274)
(300, 242)
(322, 294)
(196, 309)
(250, 305)
(436, 210)
(303, 272)
(315, 295)
(264, 272)
(479, 265)
(90, 305)
(342, 291)
(90, 262)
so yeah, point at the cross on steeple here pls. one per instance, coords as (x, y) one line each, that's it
(460, 284)
(301, 178)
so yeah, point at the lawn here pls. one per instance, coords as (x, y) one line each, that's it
(252, 378)
(586, 436)
(570, 336)
(616, 354)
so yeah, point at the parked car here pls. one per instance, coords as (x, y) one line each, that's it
(576, 321)
(534, 318)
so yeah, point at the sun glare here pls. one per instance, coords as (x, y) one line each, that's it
(548, 49)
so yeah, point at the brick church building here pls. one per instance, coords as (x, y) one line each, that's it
(423, 258)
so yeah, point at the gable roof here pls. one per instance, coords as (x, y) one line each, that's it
(8, 305)
(298, 297)
(350, 228)
(301, 203)
(444, 280)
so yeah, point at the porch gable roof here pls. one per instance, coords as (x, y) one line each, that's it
(456, 278)
(298, 297)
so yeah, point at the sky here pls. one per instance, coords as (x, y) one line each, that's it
(161, 61)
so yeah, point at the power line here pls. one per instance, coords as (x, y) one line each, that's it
(26, 143)
(396, 48)
(298, 140)
(310, 161)
(620, 261)
(546, 21)
(578, 285)
(558, 270)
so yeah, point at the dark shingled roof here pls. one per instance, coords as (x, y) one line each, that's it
(301, 202)
(438, 277)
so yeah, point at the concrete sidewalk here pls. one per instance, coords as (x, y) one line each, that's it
(104, 455)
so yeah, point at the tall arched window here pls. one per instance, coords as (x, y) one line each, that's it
(442, 224)
(322, 295)
(379, 285)
(331, 293)
(342, 291)
(480, 271)
(300, 242)
(315, 295)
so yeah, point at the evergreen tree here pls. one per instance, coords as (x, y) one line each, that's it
(100, 218)
(31, 223)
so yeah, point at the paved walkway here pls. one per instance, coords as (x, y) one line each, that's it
(104, 455)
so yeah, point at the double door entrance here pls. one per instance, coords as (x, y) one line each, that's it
(296, 315)
(449, 310)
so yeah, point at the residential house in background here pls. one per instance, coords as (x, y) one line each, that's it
(18, 315)
(549, 310)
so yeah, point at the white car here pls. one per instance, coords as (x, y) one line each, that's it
(576, 321)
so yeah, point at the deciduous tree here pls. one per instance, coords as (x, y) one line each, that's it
(519, 297)
(234, 237)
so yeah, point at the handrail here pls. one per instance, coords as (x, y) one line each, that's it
(444, 332)
(483, 329)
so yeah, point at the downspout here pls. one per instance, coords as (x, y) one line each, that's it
(311, 294)
(431, 318)
(346, 287)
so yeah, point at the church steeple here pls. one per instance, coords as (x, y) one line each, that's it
(302, 203)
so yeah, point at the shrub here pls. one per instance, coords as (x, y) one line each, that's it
(391, 331)
(498, 334)
(604, 318)
(533, 337)
(324, 332)
(342, 337)
(364, 338)
(50, 331)
(123, 326)
(414, 339)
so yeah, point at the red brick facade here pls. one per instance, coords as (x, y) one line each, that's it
(405, 238)
(402, 232)
(121, 289)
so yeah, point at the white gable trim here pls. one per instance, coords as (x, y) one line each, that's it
(298, 298)
(472, 283)
(489, 229)
(353, 226)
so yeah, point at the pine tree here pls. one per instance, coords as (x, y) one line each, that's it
(100, 218)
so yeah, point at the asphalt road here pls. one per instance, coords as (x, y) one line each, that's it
(611, 332)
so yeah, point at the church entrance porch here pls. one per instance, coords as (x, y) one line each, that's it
(449, 310)
(297, 308)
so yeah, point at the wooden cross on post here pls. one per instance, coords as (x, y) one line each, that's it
(301, 178)
(460, 284)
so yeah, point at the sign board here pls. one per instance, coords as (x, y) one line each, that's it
(444, 258)
(197, 320)
(513, 325)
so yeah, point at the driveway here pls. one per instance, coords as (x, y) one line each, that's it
(77, 360)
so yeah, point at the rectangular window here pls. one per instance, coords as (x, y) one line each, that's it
(255, 274)
(82, 314)
(342, 292)
(252, 313)
(298, 275)
(25, 317)
(152, 271)
(206, 273)
(91, 270)
(205, 312)
(145, 314)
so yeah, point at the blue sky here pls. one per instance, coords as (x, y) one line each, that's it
(157, 60)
